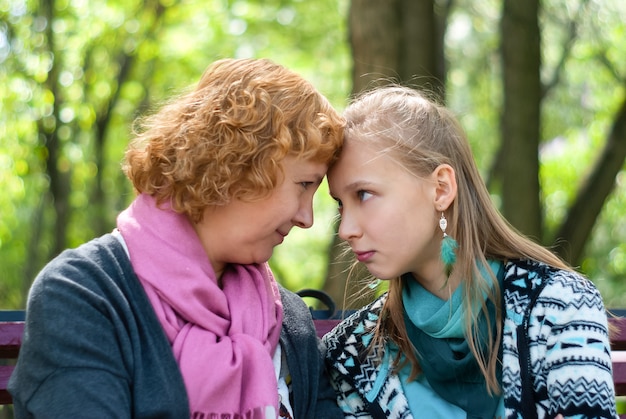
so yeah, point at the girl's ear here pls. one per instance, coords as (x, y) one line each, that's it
(446, 188)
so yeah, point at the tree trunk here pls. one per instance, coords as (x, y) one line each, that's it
(392, 41)
(577, 227)
(59, 192)
(520, 124)
(421, 45)
(125, 62)
(100, 222)
(374, 33)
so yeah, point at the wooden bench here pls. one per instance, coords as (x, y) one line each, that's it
(12, 328)
(618, 356)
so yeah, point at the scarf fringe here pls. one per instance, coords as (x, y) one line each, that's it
(267, 412)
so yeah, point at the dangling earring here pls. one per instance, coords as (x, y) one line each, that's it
(448, 246)
(374, 284)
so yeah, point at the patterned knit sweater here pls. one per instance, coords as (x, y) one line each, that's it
(555, 346)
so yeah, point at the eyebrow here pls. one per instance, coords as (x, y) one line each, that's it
(358, 184)
(317, 180)
(316, 177)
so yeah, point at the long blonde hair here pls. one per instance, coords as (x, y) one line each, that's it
(422, 135)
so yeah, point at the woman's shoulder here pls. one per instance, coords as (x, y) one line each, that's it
(100, 252)
(296, 314)
(91, 272)
(94, 250)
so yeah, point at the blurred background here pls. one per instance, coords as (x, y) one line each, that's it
(539, 86)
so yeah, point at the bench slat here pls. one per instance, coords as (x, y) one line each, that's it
(10, 339)
(618, 333)
(324, 326)
(5, 373)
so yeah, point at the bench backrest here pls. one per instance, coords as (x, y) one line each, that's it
(12, 329)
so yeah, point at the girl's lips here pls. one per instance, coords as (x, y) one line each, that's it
(364, 256)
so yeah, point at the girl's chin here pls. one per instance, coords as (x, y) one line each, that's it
(382, 275)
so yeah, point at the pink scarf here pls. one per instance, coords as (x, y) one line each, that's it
(223, 339)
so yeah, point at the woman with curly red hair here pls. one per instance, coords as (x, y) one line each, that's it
(176, 313)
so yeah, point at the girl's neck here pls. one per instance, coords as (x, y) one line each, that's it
(438, 283)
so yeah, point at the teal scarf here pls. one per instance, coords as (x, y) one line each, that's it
(436, 329)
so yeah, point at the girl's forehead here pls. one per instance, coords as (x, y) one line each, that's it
(361, 161)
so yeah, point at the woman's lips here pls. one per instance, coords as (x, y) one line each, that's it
(282, 236)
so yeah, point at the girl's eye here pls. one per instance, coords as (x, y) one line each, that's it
(339, 206)
(364, 195)
(305, 185)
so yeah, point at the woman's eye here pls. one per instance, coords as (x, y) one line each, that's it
(364, 195)
(306, 185)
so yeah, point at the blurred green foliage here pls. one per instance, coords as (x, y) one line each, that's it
(584, 72)
(168, 44)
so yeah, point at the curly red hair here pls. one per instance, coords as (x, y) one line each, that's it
(226, 139)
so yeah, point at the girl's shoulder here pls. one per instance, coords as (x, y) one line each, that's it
(355, 332)
(527, 277)
(529, 285)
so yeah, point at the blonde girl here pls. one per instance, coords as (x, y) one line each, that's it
(479, 321)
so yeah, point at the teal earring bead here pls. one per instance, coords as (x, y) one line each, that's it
(374, 284)
(448, 247)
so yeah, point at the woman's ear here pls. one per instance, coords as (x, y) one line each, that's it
(446, 187)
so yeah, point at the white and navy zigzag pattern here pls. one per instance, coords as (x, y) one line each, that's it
(354, 367)
(555, 336)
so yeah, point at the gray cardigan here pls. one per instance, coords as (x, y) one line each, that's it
(93, 346)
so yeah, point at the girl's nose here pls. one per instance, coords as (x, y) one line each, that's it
(348, 227)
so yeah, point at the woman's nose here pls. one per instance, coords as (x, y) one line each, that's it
(304, 216)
